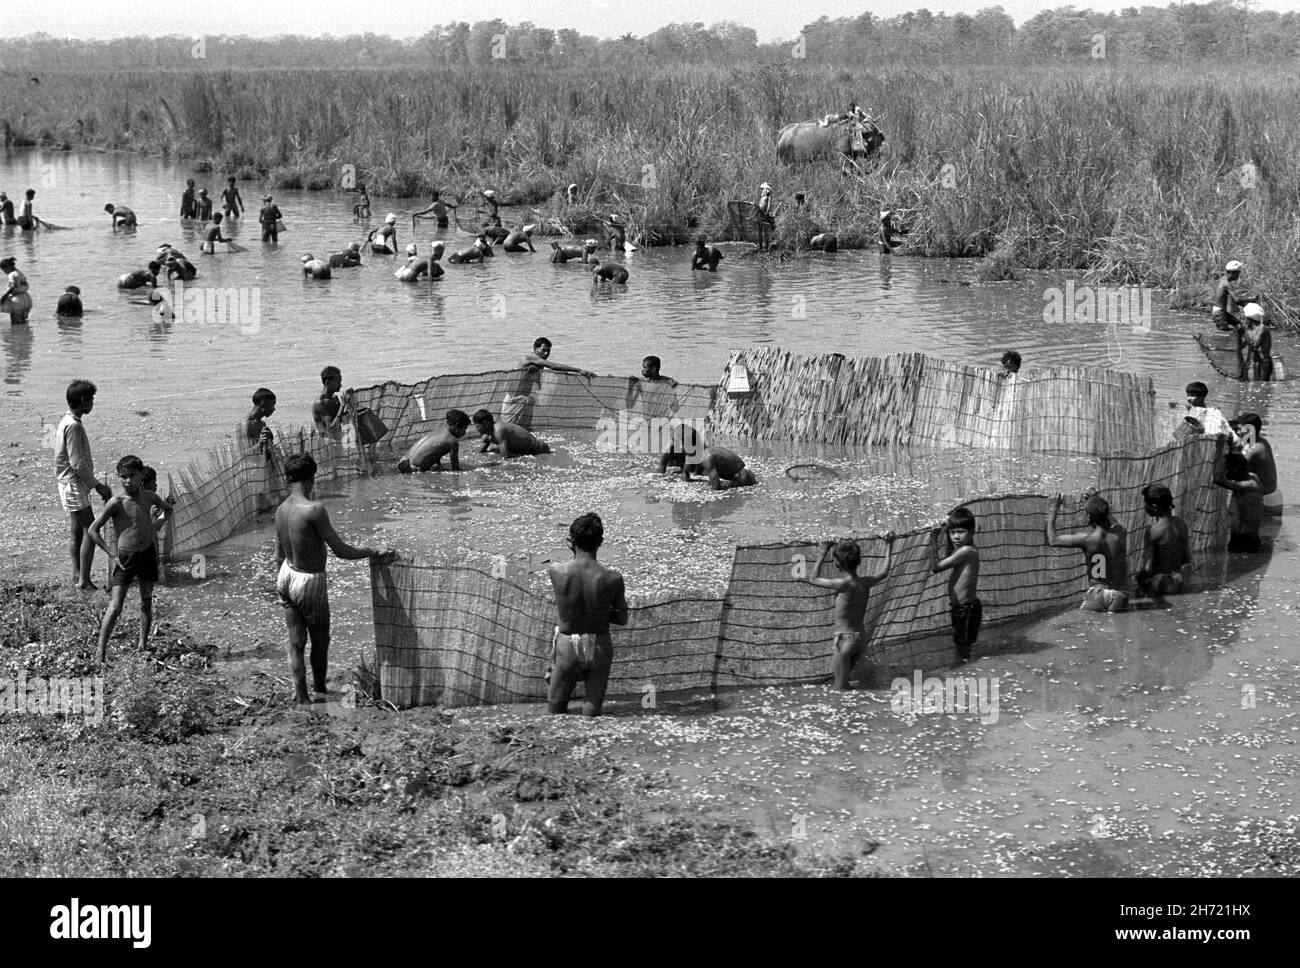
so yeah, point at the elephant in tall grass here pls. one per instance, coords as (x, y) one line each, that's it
(806, 140)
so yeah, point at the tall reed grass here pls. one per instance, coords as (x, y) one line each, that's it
(1135, 174)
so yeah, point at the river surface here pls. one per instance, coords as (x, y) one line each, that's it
(1124, 743)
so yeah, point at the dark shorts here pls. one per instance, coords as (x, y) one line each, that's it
(1244, 542)
(966, 621)
(269, 233)
(139, 566)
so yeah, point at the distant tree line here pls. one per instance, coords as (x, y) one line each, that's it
(1182, 33)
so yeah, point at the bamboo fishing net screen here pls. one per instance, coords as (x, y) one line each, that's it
(458, 636)
(913, 399)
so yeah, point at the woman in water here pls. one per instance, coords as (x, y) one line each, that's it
(16, 300)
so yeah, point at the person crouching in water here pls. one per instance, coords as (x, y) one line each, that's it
(383, 240)
(474, 253)
(1167, 557)
(70, 302)
(1105, 550)
(608, 272)
(724, 469)
(520, 240)
(851, 596)
(589, 597)
(706, 256)
(563, 253)
(825, 242)
(314, 268)
(510, 439)
(428, 452)
(212, 236)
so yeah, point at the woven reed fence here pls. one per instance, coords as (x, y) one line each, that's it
(454, 635)
(910, 398)
(240, 480)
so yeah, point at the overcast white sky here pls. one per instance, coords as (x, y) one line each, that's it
(773, 19)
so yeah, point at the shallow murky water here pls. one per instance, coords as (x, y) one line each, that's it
(1122, 742)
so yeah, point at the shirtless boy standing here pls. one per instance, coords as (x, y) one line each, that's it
(429, 450)
(851, 595)
(255, 428)
(589, 598)
(330, 409)
(136, 556)
(1105, 546)
(302, 531)
(74, 468)
(1167, 557)
(963, 562)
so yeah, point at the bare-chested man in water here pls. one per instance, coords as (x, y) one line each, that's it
(1105, 547)
(302, 530)
(589, 598)
(723, 468)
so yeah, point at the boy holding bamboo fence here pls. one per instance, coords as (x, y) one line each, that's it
(852, 592)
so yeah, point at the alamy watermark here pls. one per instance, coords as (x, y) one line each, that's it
(952, 694)
(206, 305)
(631, 433)
(1098, 305)
(82, 695)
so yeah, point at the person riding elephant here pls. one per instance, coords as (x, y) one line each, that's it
(806, 140)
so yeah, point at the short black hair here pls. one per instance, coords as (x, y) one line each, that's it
(457, 418)
(654, 360)
(483, 416)
(78, 392)
(329, 373)
(961, 518)
(1158, 496)
(1196, 389)
(130, 464)
(262, 394)
(149, 479)
(540, 342)
(1097, 509)
(587, 532)
(1236, 467)
(299, 467)
(847, 554)
(1012, 357)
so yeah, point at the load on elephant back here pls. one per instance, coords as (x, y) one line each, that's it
(848, 136)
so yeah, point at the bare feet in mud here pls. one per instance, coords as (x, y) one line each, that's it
(87, 586)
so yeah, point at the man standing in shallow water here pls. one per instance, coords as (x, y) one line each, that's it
(589, 598)
(302, 531)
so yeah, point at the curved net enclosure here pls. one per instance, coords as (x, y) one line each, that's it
(457, 635)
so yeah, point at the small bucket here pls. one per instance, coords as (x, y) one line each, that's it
(369, 427)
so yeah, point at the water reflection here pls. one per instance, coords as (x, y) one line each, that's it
(17, 341)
